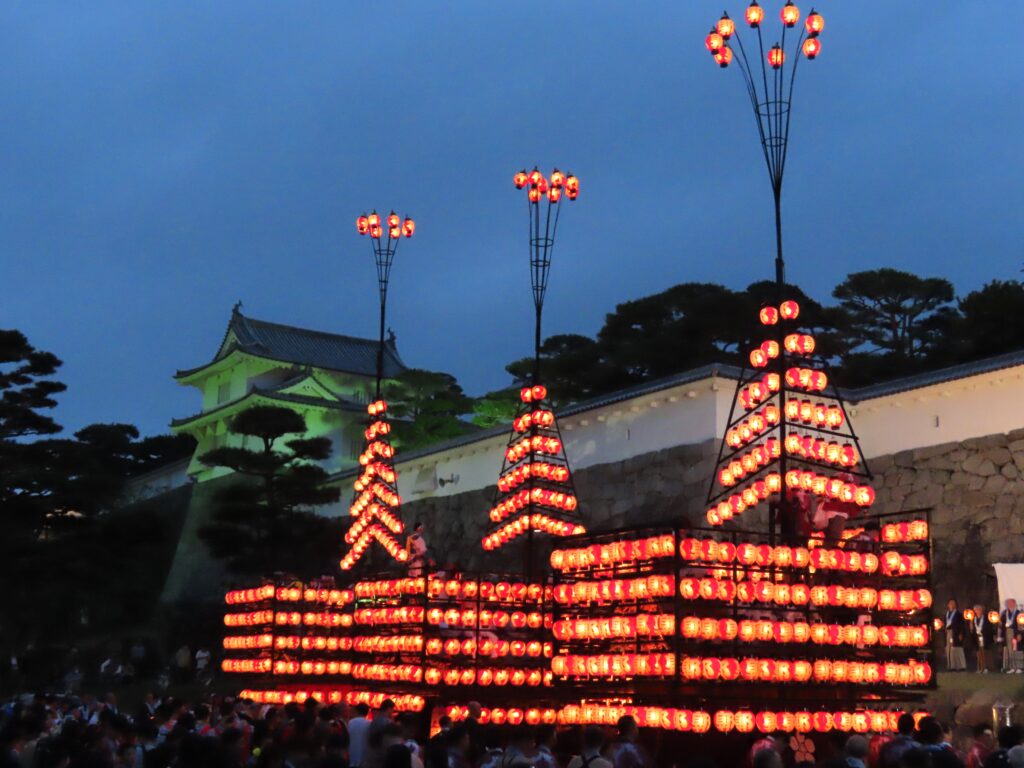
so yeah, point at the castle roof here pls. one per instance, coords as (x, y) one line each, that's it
(301, 346)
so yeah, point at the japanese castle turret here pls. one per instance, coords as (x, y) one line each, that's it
(326, 377)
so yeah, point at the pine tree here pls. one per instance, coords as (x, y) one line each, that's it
(265, 521)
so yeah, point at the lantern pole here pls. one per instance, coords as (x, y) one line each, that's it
(383, 249)
(770, 90)
(769, 87)
(542, 231)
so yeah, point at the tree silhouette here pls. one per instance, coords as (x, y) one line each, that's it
(264, 521)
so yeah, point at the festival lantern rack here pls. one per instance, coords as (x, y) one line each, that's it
(535, 492)
(374, 508)
(729, 619)
(789, 443)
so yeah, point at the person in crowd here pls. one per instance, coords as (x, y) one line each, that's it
(1008, 737)
(1008, 636)
(458, 747)
(335, 748)
(358, 729)
(545, 738)
(520, 747)
(493, 752)
(980, 638)
(183, 663)
(625, 752)
(382, 718)
(202, 662)
(954, 629)
(904, 741)
(1015, 756)
(767, 758)
(590, 756)
(981, 747)
(473, 728)
(435, 754)
(931, 736)
(856, 751)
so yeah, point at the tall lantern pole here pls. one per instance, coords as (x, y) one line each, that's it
(769, 74)
(375, 505)
(384, 249)
(769, 80)
(535, 488)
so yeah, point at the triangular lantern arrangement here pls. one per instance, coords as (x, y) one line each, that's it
(789, 438)
(375, 505)
(535, 488)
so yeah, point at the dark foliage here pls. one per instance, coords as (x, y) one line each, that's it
(264, 520)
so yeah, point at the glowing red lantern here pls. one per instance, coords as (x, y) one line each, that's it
(812, 47)
(776, 56)
(790, 14)
(724, 56)
(725, 26)
(815, 24)
(520, 179)
(769, 315)
(789, 310)
(362, 224)
(714, 41)
(754, 14)
(572, 187)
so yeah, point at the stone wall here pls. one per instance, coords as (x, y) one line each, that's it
(657, 487)
(976, 490)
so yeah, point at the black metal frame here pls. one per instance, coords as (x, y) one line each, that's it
(668, 689)
(384, 249)
(542, 243)
(771, 98)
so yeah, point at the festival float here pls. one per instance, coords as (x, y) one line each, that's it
(793, 607)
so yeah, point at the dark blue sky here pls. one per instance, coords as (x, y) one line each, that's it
(162, 160)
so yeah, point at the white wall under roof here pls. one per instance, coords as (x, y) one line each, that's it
(689, 413)
(973, 406)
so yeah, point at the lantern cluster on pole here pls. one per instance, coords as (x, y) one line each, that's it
(374, 508)
(796, 452)
(535, 489)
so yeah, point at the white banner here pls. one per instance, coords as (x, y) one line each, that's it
(1010, 577)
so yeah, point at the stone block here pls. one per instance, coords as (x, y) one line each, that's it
(994, 484)
(926, 497)
(999, 456)
(931, 451)
(904, 459)
(1010, 471)
(978, 499)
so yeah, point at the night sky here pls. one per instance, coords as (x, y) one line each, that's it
(161, 160)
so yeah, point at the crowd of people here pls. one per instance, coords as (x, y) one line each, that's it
(221, 732)
(990, 639)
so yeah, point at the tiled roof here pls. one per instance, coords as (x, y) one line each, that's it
(931, 378)
(331, 351)
(275, 396)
